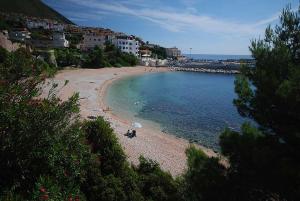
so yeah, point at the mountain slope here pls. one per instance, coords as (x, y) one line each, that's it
(35, 8)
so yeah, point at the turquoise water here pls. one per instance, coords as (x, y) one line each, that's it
(194, 106)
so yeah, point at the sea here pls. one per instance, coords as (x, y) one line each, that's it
(190, 105)
(216, 57)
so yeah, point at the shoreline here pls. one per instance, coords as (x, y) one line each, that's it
(92, 85)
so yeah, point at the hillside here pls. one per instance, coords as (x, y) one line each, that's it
(35, 8)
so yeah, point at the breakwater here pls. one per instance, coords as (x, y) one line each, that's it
(205, 70)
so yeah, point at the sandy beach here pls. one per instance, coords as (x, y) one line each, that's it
(167, 150)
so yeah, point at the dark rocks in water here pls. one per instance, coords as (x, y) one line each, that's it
(92, 117)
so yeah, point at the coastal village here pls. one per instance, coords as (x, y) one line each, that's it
(44, 35)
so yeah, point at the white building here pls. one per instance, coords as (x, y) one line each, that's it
(36, 24)
(127, 44)
(20, 35)
(56, 27)
(59, 40)
(44, 24)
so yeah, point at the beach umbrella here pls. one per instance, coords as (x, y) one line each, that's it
(137, 125)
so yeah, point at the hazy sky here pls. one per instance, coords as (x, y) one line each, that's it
(206, 26)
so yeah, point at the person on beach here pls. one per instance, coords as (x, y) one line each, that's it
(131, 133)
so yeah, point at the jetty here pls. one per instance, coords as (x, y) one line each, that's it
(205, 70)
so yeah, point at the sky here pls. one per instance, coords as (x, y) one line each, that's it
(206, 26)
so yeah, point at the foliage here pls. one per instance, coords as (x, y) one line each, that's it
(40, 34)
(156, 184)
(115, 180)
(160, 52)
(157, 51)
(205, 176)
(67, 57)
(48, 189)
(74, 39)
(31, 148)
(104, 143)
(21, 64)
(4, 25)
(95, 59)
(111, 56)
(3, 54)
(265, 161)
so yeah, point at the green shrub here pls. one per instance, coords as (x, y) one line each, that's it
(105, 144)
(156, 184)
(67, 57)
(3, 54)
(48, 189)
(111, 56)
(204, 177)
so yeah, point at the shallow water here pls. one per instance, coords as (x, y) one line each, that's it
(194, 106)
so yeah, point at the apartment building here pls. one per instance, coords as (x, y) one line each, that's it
(45, 24)
(173, 52)
(96, 37)
(59, 40)
(19, 35)
(127, 44)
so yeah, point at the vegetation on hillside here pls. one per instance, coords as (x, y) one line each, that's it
(34, 8)
(111, 56)
(265, 161)
(4, 25)
(74, 39)
(157, 51)
(68, 57)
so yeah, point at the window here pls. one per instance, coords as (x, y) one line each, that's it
(130, 43)
(123, 48)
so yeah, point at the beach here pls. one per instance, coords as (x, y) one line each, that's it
(91, 84)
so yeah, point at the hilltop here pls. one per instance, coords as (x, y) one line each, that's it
(34, 8)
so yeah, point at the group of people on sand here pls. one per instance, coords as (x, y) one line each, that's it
(131, 133)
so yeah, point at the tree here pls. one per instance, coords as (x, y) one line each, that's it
(3, 54)
(95, 59)
(265, 160)
(39, 137)
(105, 144)
(156, 184)
(204, 177)
(67, 57)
